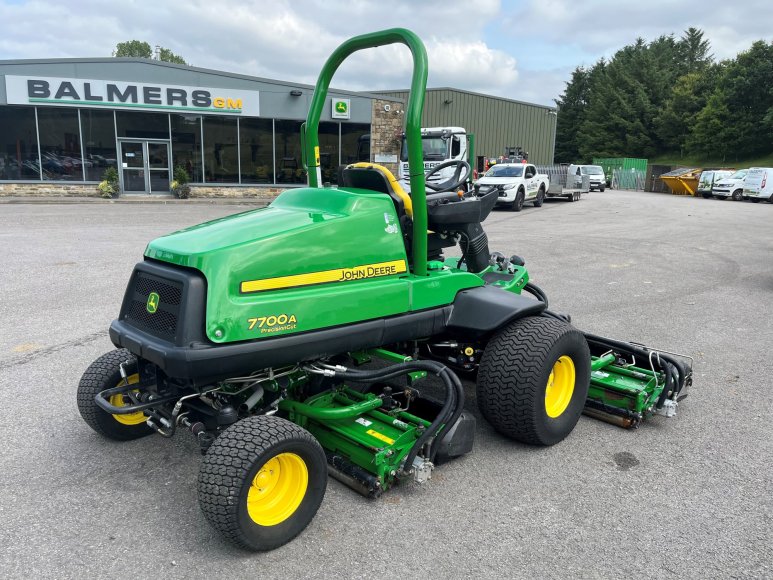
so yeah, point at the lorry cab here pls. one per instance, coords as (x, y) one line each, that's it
(595, 174)
(758, 184)
(438, 144)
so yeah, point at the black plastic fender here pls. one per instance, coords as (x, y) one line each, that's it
(485, 309)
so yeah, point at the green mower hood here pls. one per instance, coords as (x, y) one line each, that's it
(314, 258)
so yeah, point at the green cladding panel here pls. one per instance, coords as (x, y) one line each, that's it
(496, 122)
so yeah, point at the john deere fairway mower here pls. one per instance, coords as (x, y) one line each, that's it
(252, 333)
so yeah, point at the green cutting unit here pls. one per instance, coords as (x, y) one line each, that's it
(295, 341)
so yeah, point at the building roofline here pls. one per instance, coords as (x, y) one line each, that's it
(455, 90)
(184, 67)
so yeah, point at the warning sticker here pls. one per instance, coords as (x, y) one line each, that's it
(363, 421)
(380, 436)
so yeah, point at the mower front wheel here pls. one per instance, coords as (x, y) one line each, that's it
(262, 481)
(105, 373)
(533, 380)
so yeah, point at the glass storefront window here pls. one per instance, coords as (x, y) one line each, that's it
(142, 125)
(186, 144)
(257, 150)
(18, 144)
(60, 144)
(355, 142)
(221, 163)
(328, 151)
(289, 168)
(98, 142)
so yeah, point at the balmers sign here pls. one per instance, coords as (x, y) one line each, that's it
(115, 94)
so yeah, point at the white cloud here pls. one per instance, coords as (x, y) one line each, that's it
(290, 39)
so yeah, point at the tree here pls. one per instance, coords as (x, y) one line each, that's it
(571, 112)
(694, 51)
(141, 49)
(133, 48)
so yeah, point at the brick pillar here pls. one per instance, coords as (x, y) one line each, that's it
(385, 131)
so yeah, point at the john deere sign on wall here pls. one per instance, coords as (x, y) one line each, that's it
(340, 108)
(116, 94)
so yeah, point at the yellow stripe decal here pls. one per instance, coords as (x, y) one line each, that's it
(326, 276)
(380, 436)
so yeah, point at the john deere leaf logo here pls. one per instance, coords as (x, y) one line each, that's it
(152, 304)
(341, 106)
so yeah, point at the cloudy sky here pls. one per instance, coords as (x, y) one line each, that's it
(519, 49)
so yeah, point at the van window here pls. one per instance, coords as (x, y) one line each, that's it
(592, 170)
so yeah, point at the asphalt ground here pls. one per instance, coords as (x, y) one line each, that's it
(688, 497)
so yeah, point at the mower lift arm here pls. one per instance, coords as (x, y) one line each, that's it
(413, 113)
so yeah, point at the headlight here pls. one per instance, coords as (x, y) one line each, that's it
(509, 186)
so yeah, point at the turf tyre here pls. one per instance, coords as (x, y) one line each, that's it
(230, 466)
(105, 373)
(513, 378)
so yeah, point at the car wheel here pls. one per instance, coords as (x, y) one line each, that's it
(519, 199)
(540, 198)
(738, 195)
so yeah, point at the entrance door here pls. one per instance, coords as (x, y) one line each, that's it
(145, 166)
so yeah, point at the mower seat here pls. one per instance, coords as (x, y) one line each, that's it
(378, 178)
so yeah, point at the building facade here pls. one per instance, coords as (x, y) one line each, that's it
(496, 122)
(64, 122)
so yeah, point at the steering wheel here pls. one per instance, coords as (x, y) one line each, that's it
(461, 173)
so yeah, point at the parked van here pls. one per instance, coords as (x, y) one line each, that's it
(730, 186)
(759, 184)
(574, 173)
(709, 178)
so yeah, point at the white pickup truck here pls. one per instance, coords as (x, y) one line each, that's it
(517, 184)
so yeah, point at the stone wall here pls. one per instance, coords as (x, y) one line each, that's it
(51, 189)
(59, 189)
(386, 129)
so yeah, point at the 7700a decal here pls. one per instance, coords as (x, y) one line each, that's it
(273, 323)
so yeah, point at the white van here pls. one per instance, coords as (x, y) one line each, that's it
(574, 174)
(730, 186)
(759, 184)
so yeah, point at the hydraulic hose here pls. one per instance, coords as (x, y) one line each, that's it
(449, 413)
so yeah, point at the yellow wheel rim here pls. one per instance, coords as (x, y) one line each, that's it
(277, 489)
(560, 387)
(118, 401)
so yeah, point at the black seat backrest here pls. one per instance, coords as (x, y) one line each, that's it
(372, 179)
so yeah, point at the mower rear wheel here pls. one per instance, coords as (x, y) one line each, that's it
(262, 481)
(533, 380)
(105, 373)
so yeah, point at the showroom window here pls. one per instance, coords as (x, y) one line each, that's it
(18, 144)
(98, 134)
(256, 138)
(289, 168)
(142, 125)
(186, 144)
(328, 151)
(60, 144)
(221, 159)
(355, 142)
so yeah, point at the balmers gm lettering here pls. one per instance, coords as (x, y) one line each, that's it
(367, 272)
(149, 95)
